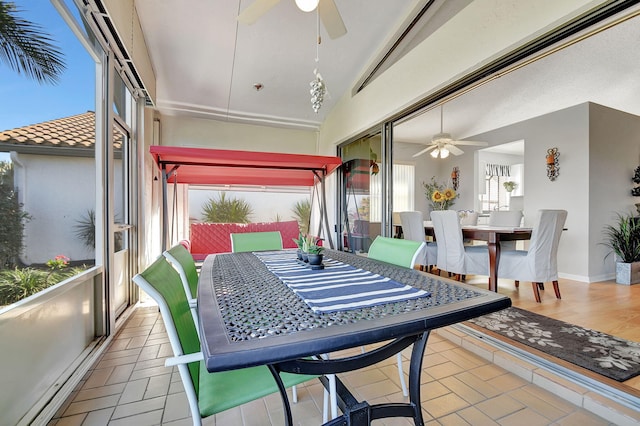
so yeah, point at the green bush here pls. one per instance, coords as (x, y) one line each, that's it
(223, 210)
(19, 283)
(12, 221)
(302, 213)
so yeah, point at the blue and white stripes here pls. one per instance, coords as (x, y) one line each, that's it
(338, 286)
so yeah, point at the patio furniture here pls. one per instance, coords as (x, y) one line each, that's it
(539, 264)
(256, 241)
(183, 263)
(413, 229)
(226, 295)
(207, 393)
(398, 252)
(453, 255)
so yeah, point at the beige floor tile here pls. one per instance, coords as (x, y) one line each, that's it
(463, 390)
(500, 406)
(158, 386)
(176, 408)
(120, 374)
(134, 391)
(150, 418)
(581, 418)
(139, 407)
(453, 420)
(444, 370)
(507, 382)
(91, 405)
(99, 417)
(526, 416)
(476, 417)
(487, 372)
(433, 390)
(75, 420)
(98, 392)
(479, 385)
(444, 405)
(98, 378)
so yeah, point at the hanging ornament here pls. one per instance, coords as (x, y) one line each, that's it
(318, 90)
(318, 87)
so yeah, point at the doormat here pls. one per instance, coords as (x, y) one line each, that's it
(607, 355)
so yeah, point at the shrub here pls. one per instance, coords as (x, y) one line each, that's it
(223, 210)
(302, 213)
(13, 219)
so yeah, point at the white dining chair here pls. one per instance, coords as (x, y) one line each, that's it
(539, 264)
(511, 218)
(413, 229)
(453, 255)
(468, 218)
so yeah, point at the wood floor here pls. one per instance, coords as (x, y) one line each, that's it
(605, 306)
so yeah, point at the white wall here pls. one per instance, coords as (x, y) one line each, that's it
(56, 192)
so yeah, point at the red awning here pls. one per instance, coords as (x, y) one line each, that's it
(202, 166)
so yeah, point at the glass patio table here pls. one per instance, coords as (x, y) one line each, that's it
(249, 316)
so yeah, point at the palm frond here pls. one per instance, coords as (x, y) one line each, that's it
(26, 48)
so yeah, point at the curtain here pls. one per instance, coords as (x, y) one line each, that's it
(497, 170)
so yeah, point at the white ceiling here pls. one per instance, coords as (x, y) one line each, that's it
(206, 64)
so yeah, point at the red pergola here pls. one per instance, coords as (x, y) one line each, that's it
(202, 166)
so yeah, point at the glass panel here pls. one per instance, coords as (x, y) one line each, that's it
(121, 278)
(362, 193)
(51, 189)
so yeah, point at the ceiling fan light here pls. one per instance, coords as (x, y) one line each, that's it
(444, 153)
(307, 5)
(435, 153)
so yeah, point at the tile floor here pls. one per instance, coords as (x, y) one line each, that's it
(129, 385)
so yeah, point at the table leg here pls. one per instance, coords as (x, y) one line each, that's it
(288, 417)
(494, 257)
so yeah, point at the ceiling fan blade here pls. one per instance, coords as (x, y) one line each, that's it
(417, 154)
(474, 143)
(331, 19)
(255, 10)
(454, 149)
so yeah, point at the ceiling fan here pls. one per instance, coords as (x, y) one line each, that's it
(442, 144)
(327, 10)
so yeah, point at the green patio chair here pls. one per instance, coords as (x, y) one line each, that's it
(182, 261)
(396, 251)
(256, 241)
(401, 253)
(207, 393)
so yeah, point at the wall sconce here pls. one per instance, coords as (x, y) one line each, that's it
(553, 165)
(455, 178)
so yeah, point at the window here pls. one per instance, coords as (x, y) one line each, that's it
(495, 195)
(403, 190)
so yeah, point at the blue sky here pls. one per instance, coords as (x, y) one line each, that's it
(25, 101)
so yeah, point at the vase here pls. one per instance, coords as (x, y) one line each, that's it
(315, 259)
(628, 273)
(305, 257)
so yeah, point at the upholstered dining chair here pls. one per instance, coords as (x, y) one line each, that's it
(453, 255)
(413, 229)
(207, 393)
(539, 264)
(468, 218)
(403, 253)
(256, 241)
(506, 218)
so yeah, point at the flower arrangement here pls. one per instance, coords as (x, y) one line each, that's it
(510, 185)
(440, 196)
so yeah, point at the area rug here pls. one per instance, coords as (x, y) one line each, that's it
(607, 355)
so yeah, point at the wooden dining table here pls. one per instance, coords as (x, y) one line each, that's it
(492, 235)
(249, 317)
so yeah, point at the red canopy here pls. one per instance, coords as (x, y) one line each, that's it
(228, 167)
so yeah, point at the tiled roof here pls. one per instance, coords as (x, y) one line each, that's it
(77, 131)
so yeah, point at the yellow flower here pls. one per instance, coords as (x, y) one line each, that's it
(449, 194)
(437, 197)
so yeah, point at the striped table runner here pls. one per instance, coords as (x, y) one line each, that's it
(338, 286)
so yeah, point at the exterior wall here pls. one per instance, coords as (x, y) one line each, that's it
(56, 192)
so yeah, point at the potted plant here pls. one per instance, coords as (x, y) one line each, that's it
(623, 239)
(510, 185)
(314, 254)
(300, 243)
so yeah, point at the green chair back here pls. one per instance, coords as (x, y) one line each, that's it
(395, 251)
(186, 267)
(162, 282)
(256, 241)
(207, 393)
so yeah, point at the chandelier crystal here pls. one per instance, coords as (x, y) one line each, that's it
(318, 90)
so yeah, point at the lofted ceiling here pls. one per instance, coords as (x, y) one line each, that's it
(207, 63)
